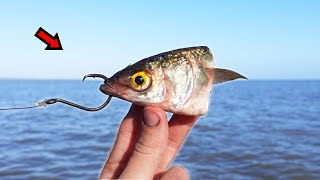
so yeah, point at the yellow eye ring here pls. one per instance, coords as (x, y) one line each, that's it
(140, 81)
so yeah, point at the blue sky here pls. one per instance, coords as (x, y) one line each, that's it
(259, 39)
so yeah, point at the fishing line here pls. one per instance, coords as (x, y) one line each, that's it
(43, 103)
(15, 108)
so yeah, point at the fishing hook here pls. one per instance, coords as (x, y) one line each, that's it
(46, 102)
(55, 100)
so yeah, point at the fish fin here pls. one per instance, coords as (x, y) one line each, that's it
(224, 75)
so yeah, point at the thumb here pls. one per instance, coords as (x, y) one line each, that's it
(150, 146)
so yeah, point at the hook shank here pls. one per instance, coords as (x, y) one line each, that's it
(55, 100)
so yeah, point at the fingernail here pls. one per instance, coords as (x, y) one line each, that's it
(150, 118)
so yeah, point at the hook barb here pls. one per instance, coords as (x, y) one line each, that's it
(96, 75)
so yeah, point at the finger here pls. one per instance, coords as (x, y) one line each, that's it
(150, 146)
(179, 127)
(123, 146)
(177, 173)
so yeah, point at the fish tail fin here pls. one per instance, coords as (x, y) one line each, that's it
(224, 75)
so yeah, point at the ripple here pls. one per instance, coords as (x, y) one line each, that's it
(14, 173)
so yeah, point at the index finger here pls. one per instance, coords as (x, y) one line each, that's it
(179, 127)
(123, 146)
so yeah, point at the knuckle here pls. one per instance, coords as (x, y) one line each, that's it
(143, 147)
(173, 145)
(126, 130)
(124, 133)
(112, 169)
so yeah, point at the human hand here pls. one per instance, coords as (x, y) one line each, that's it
(146, 144)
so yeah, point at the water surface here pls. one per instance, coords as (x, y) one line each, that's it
(254, 130)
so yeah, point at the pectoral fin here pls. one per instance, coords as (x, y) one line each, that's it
(223, 75)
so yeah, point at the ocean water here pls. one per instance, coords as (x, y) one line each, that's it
(253, 130)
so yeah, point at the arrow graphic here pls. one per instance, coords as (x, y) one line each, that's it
(53, 42)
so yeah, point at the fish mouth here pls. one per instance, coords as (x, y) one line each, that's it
(106, 88)
(110, 90)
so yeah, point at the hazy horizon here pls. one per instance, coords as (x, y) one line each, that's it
(80, 79)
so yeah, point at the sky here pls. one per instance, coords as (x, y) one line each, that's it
(259, 39)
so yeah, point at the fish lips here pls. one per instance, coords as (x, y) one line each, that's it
(107, 89)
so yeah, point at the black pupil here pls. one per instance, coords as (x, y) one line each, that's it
(139, 80)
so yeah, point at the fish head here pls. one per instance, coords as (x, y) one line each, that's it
(141, 83)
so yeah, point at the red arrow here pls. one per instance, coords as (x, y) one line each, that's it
(53, 42)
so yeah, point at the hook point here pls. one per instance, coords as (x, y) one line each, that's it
(94, 76)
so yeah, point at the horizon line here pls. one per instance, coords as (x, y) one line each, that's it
(74, 79)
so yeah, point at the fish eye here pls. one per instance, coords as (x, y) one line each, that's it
(140, 81)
